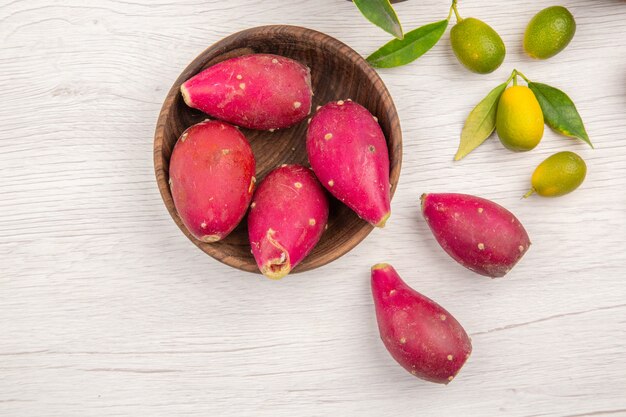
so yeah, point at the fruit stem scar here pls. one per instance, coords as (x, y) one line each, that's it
(380, 266)
(276, 268)
(185, 94)
(210, 238)
(383, 220)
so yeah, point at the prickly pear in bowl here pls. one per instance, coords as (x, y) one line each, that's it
(271, 81)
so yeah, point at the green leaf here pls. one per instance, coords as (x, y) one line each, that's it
(480, 123)
(380, 13)
(415, 44)
(559, 111)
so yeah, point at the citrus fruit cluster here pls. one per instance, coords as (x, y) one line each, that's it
(475, 44)
(518, 113)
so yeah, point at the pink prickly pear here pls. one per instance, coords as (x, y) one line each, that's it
(479, 234)
(348, 153)
(211, 179)
(257, 91)
(288, 214)
(418, 333)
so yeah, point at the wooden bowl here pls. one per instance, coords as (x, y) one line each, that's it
(337, 72)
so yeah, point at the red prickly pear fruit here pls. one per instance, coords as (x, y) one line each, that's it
(348, 153)
(287, 217)
(479, 234)
(418, 333)
(257, 91)
(211, 179)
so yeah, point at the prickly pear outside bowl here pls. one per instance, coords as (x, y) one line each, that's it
(337, 72)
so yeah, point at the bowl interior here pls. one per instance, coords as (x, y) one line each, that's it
(337, 72)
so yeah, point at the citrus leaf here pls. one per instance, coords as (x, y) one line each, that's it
(415, 44)
(380, 13)
(559, 111)
(480, 123)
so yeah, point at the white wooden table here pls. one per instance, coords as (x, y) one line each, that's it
(107, 309)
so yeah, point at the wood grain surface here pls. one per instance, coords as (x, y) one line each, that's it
(106, 309)
(337, 72)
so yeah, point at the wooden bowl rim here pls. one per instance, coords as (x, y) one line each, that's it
(162, 174)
